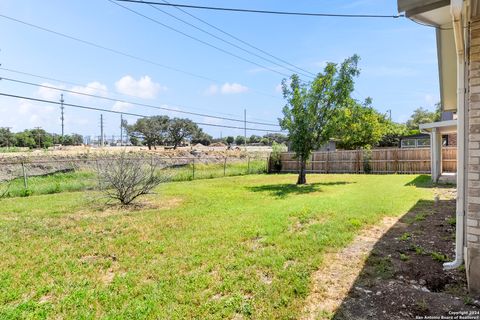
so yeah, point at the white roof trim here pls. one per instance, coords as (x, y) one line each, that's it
(443, 126)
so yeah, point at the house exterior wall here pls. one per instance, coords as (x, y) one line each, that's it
(473, 159)
(452, 140)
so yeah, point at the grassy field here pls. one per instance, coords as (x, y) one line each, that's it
(235, 247)
(86, 180)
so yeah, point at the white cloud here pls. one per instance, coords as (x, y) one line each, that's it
(121, 106)
(26, 114)
(226, 88)
(233, 88)
(49, 94)
(92, 88)
(143, 88)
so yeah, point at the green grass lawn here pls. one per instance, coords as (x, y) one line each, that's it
(204, 249)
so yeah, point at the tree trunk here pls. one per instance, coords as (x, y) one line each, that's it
(302, 179)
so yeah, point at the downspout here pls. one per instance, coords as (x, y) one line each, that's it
(456, 11)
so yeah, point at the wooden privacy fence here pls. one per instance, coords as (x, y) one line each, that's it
(371, 161)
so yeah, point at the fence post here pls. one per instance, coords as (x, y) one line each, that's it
(395, 157)
(25, 181)
(326, 163)
(358, 161)
(193, 168)
(248, 164)
(313, 168)
(225, 167)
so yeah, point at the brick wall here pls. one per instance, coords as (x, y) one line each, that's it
(473, 131)
(473, 160)
(452, 140)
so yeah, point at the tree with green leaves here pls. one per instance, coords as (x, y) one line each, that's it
(7, 138)
(180, 130)
(201, 137)
(240, 140)
(422, 115)
(310, 108)
(229, 140)
(392, 132)
(276, 137)
(24, 139)
(254, 139)
(152, 131)
(357, 125)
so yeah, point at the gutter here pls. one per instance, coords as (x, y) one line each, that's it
(456, 9)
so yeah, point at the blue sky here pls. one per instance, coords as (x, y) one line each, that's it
(398, 60)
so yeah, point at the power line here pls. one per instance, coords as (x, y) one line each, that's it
(118, 52)
(106, 91)
(199, 40)
(134, 103)
(290, 13)
(231, 43)
(238, 39)
(124, 113)
(98, 46)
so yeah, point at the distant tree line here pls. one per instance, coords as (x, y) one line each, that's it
(36, 138)
(164, 131)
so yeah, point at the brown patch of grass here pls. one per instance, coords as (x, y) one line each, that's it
(107, 210)
(108, 276)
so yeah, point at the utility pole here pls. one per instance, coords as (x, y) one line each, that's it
(389, 111)
(101, 131)
(39, 137)
(245, 127)
(62, 114)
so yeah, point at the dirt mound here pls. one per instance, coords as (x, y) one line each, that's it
(218, 144)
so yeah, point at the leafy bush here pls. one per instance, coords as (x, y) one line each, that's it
(127, 177)
(367, 156)
(275, 157)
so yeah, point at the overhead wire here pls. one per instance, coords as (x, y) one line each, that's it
(63, 82)
(118, 52)
(309, 75)
(238, 39)
(290, 13)
(199, 40)
(136, 103)
(125, 113)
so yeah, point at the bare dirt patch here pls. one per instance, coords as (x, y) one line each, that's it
(395, 270)
(331, 283)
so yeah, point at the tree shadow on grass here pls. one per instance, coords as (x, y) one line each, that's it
(286, 189)
(425, 181)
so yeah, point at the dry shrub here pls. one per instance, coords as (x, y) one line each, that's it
(126, 177)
